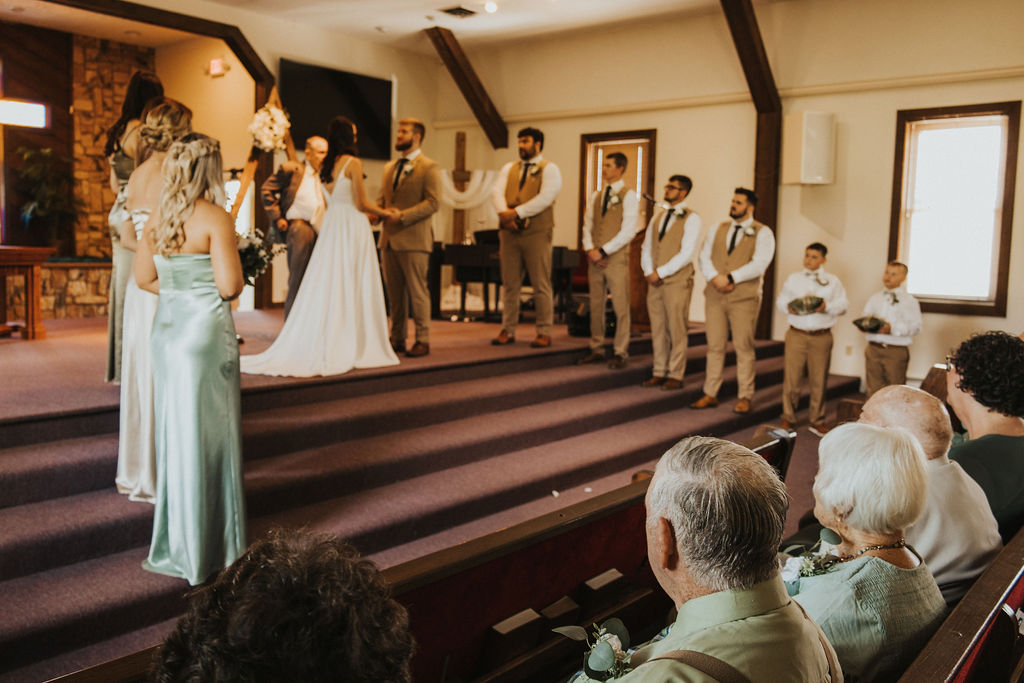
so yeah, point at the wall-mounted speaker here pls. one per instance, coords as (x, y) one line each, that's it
(809, 148)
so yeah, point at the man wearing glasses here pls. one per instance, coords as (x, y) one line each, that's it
(667, 262)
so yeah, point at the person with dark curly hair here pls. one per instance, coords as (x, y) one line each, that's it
(296, 606)
(985, 387)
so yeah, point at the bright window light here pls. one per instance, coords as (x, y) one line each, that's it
(28, 114)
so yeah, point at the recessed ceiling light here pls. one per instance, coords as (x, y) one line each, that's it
(491, 7)
(17, 9)
(132, 33)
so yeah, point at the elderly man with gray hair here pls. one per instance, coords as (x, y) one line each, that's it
(715, 514)
(957, 535)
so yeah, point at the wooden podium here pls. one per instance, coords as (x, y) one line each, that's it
(26, 262)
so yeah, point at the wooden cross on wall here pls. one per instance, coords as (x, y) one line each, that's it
(460, 176)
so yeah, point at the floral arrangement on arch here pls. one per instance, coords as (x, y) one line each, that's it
(269, 127)
(255, 252)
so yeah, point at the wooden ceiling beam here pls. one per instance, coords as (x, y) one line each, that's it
(768, 146)
(472, 89)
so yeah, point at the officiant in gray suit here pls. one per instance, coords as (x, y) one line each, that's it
(294, 202)
(409, 192)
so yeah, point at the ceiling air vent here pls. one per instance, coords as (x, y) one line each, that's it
(459, 11)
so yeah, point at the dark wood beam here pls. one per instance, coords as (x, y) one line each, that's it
(768, 147)
(455, 59)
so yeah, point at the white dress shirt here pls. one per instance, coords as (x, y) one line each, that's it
(309, 199)
(898, 308)
(550, 186)
(816, 283)
(630, 220)
(764, 252)
(956, 533)
(687, 247)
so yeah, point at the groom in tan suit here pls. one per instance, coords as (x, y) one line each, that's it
(409, 192)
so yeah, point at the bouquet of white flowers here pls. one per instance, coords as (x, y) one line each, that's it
(255, 252)
(268, 128)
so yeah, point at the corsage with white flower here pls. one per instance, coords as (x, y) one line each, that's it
(819, 559)
(613, 200)
(749, 231)
(608, 655)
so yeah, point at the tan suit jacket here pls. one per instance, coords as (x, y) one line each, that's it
(417, 196)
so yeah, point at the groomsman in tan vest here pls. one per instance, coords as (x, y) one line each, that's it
(667, 262)
(733, 261)
(524, 197)
(410, 191)
(609, 225)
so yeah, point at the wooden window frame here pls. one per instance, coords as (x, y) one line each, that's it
(996, 307)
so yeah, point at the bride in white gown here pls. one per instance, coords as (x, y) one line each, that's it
(338, 321)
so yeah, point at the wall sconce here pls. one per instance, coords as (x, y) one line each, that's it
(28, 114)
(217, 67)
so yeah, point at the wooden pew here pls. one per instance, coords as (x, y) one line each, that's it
(455, 595)
(980, 639)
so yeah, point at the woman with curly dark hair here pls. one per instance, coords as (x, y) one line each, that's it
(296, 607)
(985, 387)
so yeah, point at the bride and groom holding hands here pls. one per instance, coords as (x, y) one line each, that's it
(335, 317)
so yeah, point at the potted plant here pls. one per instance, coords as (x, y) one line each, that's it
(44, 185)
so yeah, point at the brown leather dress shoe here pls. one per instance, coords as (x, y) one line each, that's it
(787, 425)
(592, 357)
(704, 401)
(742, 406)
(542, 341)
(820, 429)
(503, 338)
(671, 385)
(653, 382)
(398, 347)
(617, 362)
(418, 350)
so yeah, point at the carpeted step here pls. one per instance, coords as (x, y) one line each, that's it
(47, 534)
(98, 599)
(57, 468)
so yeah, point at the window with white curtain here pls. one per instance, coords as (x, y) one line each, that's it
(953, 205)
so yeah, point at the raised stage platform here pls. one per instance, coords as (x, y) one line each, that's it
(401, 461)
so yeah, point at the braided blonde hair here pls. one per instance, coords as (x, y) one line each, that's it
(165, 121)
(192, 170)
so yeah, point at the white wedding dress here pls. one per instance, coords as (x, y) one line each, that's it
(338, 320)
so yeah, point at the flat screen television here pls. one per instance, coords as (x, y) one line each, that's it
(313, 95)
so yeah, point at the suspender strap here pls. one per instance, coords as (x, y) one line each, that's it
(706, 664)
(834, 672)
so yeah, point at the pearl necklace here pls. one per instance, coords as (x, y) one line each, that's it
(902, 543)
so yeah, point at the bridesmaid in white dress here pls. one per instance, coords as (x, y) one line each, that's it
(338, 320)
(164, 121)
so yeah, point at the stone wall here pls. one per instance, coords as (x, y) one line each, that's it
(70, 290)
(101, 71)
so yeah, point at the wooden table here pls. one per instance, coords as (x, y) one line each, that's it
(27, 262)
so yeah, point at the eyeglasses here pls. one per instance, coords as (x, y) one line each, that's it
(674, 187)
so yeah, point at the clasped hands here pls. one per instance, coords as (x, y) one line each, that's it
(722, 284)
(596, 258)
(508, 220)
(392, 217)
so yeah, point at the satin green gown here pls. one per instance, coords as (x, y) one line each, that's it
(199, 520)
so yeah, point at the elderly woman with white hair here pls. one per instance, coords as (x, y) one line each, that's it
(877, 601)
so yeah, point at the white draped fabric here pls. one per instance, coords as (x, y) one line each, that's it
(475, 200)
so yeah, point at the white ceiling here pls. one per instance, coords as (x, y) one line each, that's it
(398, 23)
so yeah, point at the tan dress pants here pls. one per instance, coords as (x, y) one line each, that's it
(885, 365)
(668, 307)
(611, 278)
(722, 314)
(532, 250)
(813, 353)
(405, 276)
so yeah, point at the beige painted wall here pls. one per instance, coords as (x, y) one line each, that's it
(221, 107)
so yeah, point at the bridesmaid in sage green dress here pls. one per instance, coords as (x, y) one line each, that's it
(120, 150)
(188, 255)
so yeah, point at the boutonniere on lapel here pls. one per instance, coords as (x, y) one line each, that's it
(613, 200)
(893, 299)
(407, 169)
(534, 169)
(749, 231)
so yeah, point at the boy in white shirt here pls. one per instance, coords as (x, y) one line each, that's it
(809, 338)
(887, 354)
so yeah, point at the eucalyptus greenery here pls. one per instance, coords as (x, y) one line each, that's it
(608, 643)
